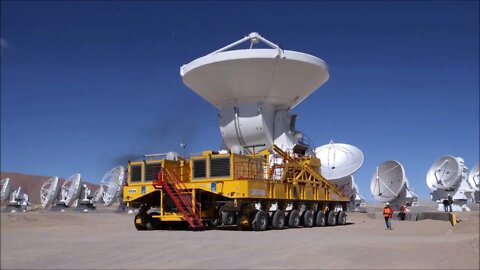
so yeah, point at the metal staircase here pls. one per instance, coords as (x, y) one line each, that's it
(181, 197)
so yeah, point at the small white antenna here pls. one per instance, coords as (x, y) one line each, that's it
(70, 190)
(388, 182)
(338, 160)
(49, 191)
(18, 201)
(445, 173)
(15, 195)
(98, 194)
(6, 189)
(113, 182)
(474, 178)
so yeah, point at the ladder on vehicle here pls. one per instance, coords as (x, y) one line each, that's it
(181, 197)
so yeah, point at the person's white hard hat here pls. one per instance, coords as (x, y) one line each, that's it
(387, 203)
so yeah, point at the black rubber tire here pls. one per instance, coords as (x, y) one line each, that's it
(228, 218)
(278, 220)
(294, 219)
(209, 224)
(149, 225)
(139, 227)
(320, 219)
(331, 218)
(308, 219)
(152, 223)
(260, 222)
(341, 218)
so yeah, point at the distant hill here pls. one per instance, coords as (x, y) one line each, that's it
(31, 184)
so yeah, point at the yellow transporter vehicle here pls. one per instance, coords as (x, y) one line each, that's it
(214, 189)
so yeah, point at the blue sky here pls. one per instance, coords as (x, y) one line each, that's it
(86, 85)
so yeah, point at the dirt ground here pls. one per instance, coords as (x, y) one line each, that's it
(52, 240)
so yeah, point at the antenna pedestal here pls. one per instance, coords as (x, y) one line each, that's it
(18, 202)
(411, 199)
(122, 207)
(462, 194)
(85, 207)
(16, 208)
(255, 124)
(86, 200)
(59, 206)
(357, 204)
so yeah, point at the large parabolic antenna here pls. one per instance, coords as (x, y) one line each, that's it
(71, 190)
(113, 182)
(6, 189)
(388, 181)
(338, 160)
(474, 178)
(49, 191)
(255, 88)
(445, 173)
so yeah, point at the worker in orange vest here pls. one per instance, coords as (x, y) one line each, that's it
(388, 214)
(403, 212)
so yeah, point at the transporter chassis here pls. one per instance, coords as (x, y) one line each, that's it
(224, 189)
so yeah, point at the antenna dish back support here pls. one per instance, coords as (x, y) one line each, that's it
(388, 181)
(71, 190)
(338, 160)
(113, 181)
(474, 178)
(445, 173)
(6, 189)
(49, 191)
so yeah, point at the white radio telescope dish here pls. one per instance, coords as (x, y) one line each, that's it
(227, 76)
(113, 182)
(71, 189)
(388, 181)
(474, 178)
(338, 160)
(445, 173)
(49, 191)
(6, 189)
(98, 194)
(346, 185)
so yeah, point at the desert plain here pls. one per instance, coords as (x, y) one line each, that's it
(107, 240)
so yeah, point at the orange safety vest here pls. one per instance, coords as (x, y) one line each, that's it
(387, 212)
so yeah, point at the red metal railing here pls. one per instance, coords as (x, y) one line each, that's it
(182, 198)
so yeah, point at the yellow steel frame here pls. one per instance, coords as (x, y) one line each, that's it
(250, 178)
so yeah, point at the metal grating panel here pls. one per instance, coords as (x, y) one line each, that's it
(135, 173)
(220, 167)
(151, 171)
(199, 168)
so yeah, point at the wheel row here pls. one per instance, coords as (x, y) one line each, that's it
(260, 219)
